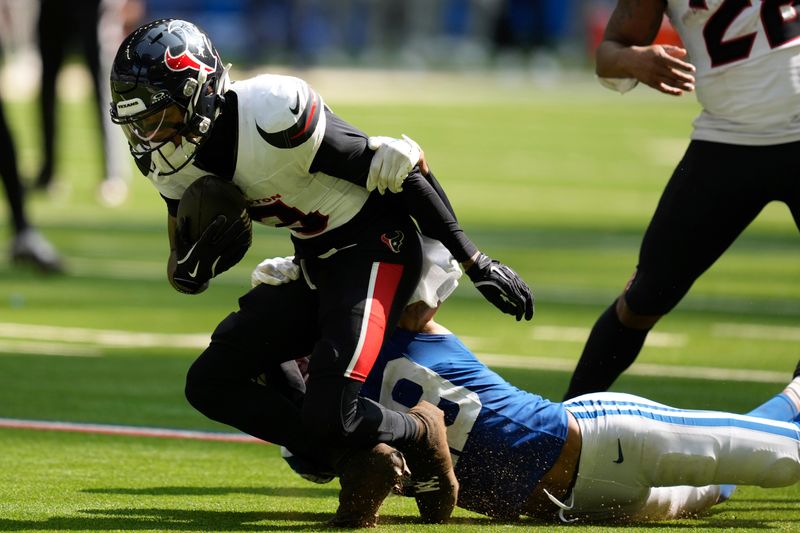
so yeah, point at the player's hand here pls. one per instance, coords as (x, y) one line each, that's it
(197, 262)
(275, 271)
(661, 67)
(393, 160)
(502, 286)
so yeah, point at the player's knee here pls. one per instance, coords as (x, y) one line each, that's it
(629, 318)
(204, 384)
(647, 298)
(330, 405)
(198, 389)
(781, 473)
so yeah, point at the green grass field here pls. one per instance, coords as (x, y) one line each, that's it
(558, 182)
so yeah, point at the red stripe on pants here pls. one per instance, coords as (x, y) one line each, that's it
(379, 306)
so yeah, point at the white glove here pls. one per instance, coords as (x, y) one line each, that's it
(393, 160)
(275, 271)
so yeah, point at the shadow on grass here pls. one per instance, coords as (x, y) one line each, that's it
(285, 492)
(148, 519)
(199, 520)
(173, 520)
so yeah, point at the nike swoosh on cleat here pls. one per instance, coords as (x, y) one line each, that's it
(619, 450)
(193, 273)
(296, 108)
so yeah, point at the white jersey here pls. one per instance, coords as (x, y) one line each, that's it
(748, 68)
(281, 125)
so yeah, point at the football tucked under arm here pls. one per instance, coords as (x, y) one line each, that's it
(212, 233)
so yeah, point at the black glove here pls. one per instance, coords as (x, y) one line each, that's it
(221, 246)
(502, 286)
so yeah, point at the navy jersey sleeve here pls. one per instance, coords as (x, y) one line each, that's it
(426, 201)
(343, 153)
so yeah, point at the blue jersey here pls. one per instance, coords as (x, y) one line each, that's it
(502, 439)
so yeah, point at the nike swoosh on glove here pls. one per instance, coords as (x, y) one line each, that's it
(218, 249)
(502, 286)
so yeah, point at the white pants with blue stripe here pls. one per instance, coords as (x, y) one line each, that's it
(642, 460)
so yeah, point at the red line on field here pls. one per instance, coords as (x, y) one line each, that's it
(129, 431)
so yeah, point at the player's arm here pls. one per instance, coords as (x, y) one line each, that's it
(427, 202)
(626, 55)
(345, 153)
(380, 163)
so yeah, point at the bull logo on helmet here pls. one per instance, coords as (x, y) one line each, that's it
(195, 50)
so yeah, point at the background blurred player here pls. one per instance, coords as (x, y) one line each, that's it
(27, 245)
(302, 167)
(96, 27)
(745, 64)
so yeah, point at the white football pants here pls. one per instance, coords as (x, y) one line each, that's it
(643, 460)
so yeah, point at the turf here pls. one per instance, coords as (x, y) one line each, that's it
(558, 182)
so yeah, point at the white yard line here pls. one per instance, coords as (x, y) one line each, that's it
(85, 342)
(756, 331)
(47, 348)
(640, 369)
(572, 334)
(103, 338)
(129, 431)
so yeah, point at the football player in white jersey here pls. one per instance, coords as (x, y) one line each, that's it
(743, 61)
(599, 457)
(301, 167)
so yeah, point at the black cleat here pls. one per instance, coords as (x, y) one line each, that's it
(796, 370)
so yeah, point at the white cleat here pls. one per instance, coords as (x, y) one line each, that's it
(30, 246)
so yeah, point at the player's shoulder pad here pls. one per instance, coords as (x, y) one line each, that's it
(286, 110)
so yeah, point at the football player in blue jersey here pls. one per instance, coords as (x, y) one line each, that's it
(598, 457)
(301, 167)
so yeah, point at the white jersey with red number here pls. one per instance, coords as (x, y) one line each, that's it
(281, 126)
(748, 68)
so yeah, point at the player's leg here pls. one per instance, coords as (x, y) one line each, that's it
(273, 323)
(363, 291)
(28, 245)
(54, 27)
(669, 503)
(710, 199)
(784, 406)
(361, 299)
(631, 444)
(10, 176)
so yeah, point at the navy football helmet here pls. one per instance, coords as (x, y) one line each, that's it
(167, 86)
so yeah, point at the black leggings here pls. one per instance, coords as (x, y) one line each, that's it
(10, 176)
(714, 194)
(60, 24)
